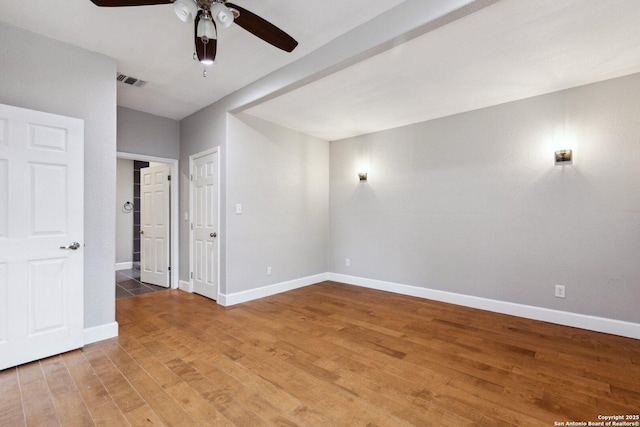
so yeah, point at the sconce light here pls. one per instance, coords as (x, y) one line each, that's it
(563, 157)
(362, 176)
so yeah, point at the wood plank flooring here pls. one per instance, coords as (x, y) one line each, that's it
(326, 355)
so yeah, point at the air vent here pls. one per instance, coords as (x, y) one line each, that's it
(131, 81)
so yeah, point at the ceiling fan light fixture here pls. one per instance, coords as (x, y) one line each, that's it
(186, 10)
(222, 14)
(206, 28)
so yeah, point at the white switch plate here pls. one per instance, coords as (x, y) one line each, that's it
(238, 208)
(559, 291)
(186, 216)
(268, 271)
(347, 262)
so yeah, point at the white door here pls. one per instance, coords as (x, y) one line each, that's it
(41, 234)
(204, 197)
(154, 225)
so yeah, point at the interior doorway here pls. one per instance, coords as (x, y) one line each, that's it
(128, 212)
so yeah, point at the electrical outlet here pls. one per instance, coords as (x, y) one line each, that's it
(347, 262)
(559, 291)
(268, 271)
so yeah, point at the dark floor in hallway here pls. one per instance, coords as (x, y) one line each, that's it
(128, 284)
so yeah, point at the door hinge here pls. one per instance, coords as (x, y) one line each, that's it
(191, 177)
(168, 177)
(192, 226)
(168, 268)
(192, 274)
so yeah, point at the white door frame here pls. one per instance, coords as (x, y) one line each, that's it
(174, 206)
(191, 210)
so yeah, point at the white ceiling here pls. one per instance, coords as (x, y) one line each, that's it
(509, 50)
(152, 44)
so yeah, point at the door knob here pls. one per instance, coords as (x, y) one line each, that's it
(141, 231)
(213, 235)
(73, 246)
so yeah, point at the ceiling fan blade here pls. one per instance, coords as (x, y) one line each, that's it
(263, 29)
(206, 52)
(119, 3)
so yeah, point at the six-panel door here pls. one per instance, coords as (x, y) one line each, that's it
(41, 235)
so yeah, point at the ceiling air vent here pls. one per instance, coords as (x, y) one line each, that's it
(131, 81)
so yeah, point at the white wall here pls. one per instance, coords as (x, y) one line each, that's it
(43, 74)
(281, 179)
(124, 219)
(473, 203)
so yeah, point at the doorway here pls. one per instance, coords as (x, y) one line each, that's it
(128, 212)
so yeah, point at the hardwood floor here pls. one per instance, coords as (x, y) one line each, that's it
(327, 354)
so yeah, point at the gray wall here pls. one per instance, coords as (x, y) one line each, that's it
(281, 179)
(198, 132)
(473, 203)
(124, 219)
(207, 128)
(147, 134)
(42, 74)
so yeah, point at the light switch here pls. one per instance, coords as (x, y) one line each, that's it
(186, 216)
(238, 208)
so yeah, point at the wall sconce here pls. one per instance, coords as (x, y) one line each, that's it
(563, 157)
(362, 176)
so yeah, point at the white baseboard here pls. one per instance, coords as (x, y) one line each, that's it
(99, 333)
(265, 291)
(185, 286)
(124, 265)
(593, 323)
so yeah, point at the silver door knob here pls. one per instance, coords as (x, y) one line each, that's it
(73, 246)
(213, 235)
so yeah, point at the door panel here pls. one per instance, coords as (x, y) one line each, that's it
(48, 199)
(154, 225)
(47, 137)
(204, 250)
(41, 215)
(4, 303)
(47, 287)
(4, 193)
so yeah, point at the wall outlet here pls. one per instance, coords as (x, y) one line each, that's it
(268, 271)
(239, 208)
(347, 262)
(559, 291)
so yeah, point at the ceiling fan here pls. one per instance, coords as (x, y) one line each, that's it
(205, 14)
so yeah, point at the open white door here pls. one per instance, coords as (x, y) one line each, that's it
(204, 205)
(154, 225)
(41, 235)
